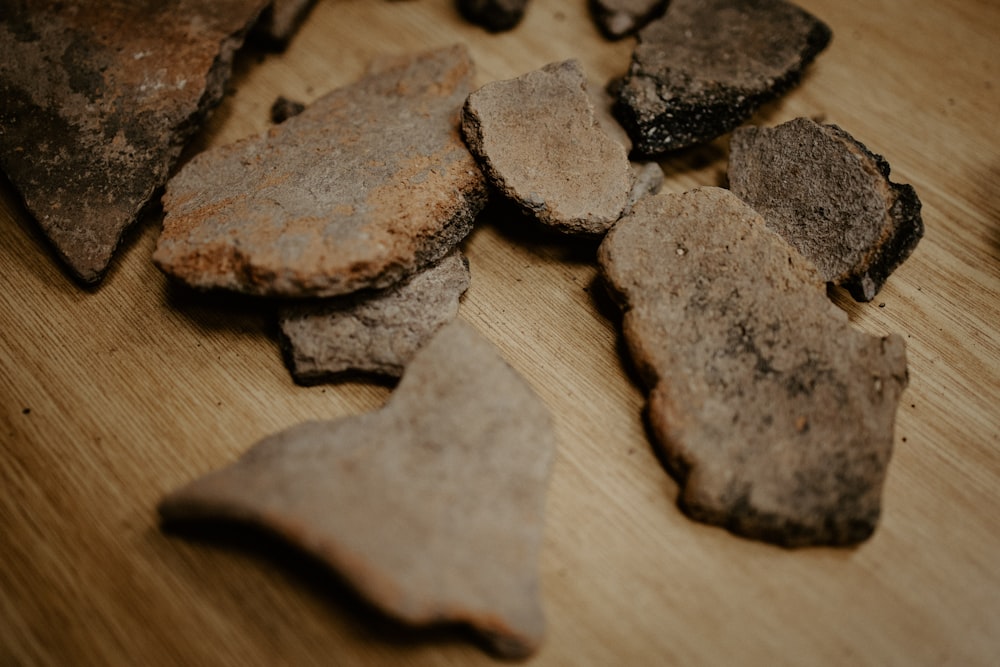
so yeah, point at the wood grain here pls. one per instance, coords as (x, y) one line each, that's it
(111, 397)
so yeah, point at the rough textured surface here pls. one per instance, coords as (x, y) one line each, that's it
(773, 412)
(618, 18)
(830, 197)
(494, 15)
(367, 185)
(97, 99)
(707, 65)
(539, 144)
(373, 332)
(433, 507)
(282, 18)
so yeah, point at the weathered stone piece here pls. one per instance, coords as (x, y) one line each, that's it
(618, 18)
(830, 197)
(494, 15)
(97, 99)
(367, 185)
(539, 144)
(372, 332)
(775, 414)
(707, 65)
(432, 508)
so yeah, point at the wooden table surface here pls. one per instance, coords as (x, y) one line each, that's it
(111, 397)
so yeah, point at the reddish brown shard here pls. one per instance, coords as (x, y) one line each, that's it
(773, 412)
(618, 18)
(369, 184)
(432, 508)
(97, 99)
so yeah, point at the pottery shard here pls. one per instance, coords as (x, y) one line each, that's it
(494, 15)
(539, 144)
(618, 18)
(707, 65)
(432, 508)
(773, 412)
(367, 185)
(97, 99)
(830, 197)
(374, 332)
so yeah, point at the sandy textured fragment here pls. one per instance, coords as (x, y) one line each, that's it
(494, 15)
(97, 99)
(774, 413)
(707, 65)
(540, 145)
(373, 332)
(618, 18)
(830, 197)
(432, 508)
(367, 185)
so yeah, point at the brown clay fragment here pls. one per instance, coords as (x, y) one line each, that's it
(707, 65)
(775, 414)
(618, 18)
(540, 145)
(372, 332)
(494, 15)
(97, 99)
(432, 508)
(830, 197)
(369, 184)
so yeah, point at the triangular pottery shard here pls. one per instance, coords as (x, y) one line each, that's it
(830, 197)
(367, 185)
(97, 99)
(432, 508)
(775, 414)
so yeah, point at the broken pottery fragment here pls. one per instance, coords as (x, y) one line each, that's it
(618, 18)
(773, 412)
(282, 19)
(494, 15)
(539, 144)
(97, 99)
(707, 65)
(830, 197)
(374, 332)
(367, 185)
(432, 507)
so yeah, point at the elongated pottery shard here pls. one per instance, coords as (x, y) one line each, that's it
(830, 197)
(540, 145)
(707, 65)
(367, 185)
(97, 99)
(618, 18)
(433, 507)
(375, 332)
(773, 412)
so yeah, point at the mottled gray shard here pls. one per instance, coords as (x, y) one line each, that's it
(830, 197)
(774, 413)
(494, 15)
(283, 108)
(367, 185)
(707, 65)
(432, 508)
(282, 19)
(540, 145)
(618, 18)
(97, 99)
(373, 332)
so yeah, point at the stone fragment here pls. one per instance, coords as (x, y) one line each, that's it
(830, 197)
(618, 18)
(283, 108)
(494, 15)
(432, 508)
(540, 145)
(775, 414)
(97, 99)
(282, 19)
(373, 332)
(367, 185)
(707, 65)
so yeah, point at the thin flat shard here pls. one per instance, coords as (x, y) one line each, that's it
(369, 184)
(432, 508)
(494, 15)
(707, 65)
(773, 412)
(97, 99)
(618, 18)
(372, 332)
(540, 145)
(830, 197)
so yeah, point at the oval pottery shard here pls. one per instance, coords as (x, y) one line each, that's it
(773, 412)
